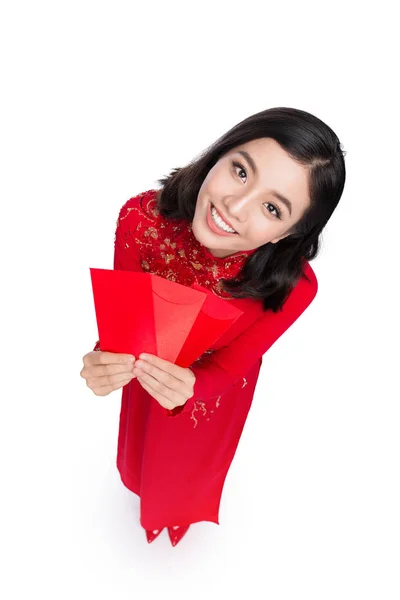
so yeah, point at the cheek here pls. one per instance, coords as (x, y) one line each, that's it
(263, 230)
(217, 185)
(222, 185)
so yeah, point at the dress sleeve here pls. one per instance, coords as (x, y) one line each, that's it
(217, 373)
(126, 256)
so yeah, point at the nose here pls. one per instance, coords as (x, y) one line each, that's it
(238, 207)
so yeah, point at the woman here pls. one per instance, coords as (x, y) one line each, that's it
(243, 220)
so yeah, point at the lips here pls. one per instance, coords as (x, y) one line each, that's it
(213, 226)
(222, 217)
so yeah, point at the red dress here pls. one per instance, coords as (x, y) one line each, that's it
(177, 461)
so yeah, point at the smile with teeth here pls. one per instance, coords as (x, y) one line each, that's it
(220, 222)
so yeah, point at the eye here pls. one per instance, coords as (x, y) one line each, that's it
(278, 212)
(237, 165)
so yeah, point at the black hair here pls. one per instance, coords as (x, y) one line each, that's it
(271, 272)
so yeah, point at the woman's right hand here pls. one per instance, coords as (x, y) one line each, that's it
(107, 371)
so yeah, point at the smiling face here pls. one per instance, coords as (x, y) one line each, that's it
(250, 196)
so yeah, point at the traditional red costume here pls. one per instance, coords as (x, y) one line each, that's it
(177, 461)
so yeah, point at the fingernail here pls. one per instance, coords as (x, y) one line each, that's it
(130, 359)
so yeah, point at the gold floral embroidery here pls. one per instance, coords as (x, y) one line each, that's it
(201, 405)
(198, 405)
(167, 257)
(154, 212)
(197, 266)
(128, 210)
(214, 270)
(152, 231)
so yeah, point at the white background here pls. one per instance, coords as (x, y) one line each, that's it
(99, 100)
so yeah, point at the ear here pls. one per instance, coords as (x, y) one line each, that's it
(279, 238)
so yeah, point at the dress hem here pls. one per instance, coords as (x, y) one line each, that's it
(130, 487)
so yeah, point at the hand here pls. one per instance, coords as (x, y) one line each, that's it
(107, 371)
(166, 382)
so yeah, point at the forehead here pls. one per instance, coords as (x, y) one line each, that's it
(268, 149)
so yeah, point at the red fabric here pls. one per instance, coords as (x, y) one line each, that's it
(177, 461)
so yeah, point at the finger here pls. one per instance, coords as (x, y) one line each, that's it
(108, 380)
(105, 390)
(161, 399)
(175, 370)
(114, 358)
(105, 358)
(110, 369)
(159, 388)
(166, 378)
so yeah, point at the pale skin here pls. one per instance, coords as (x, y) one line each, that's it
(168, 383)
(247, 201)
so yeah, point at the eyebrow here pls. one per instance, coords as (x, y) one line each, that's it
(277, 195)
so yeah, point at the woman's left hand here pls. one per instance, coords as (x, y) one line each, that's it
(166, 382)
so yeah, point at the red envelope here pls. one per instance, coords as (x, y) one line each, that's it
(176, 308)
(214, 319)
(142, 312)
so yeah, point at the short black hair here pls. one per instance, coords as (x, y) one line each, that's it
(271, 272)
